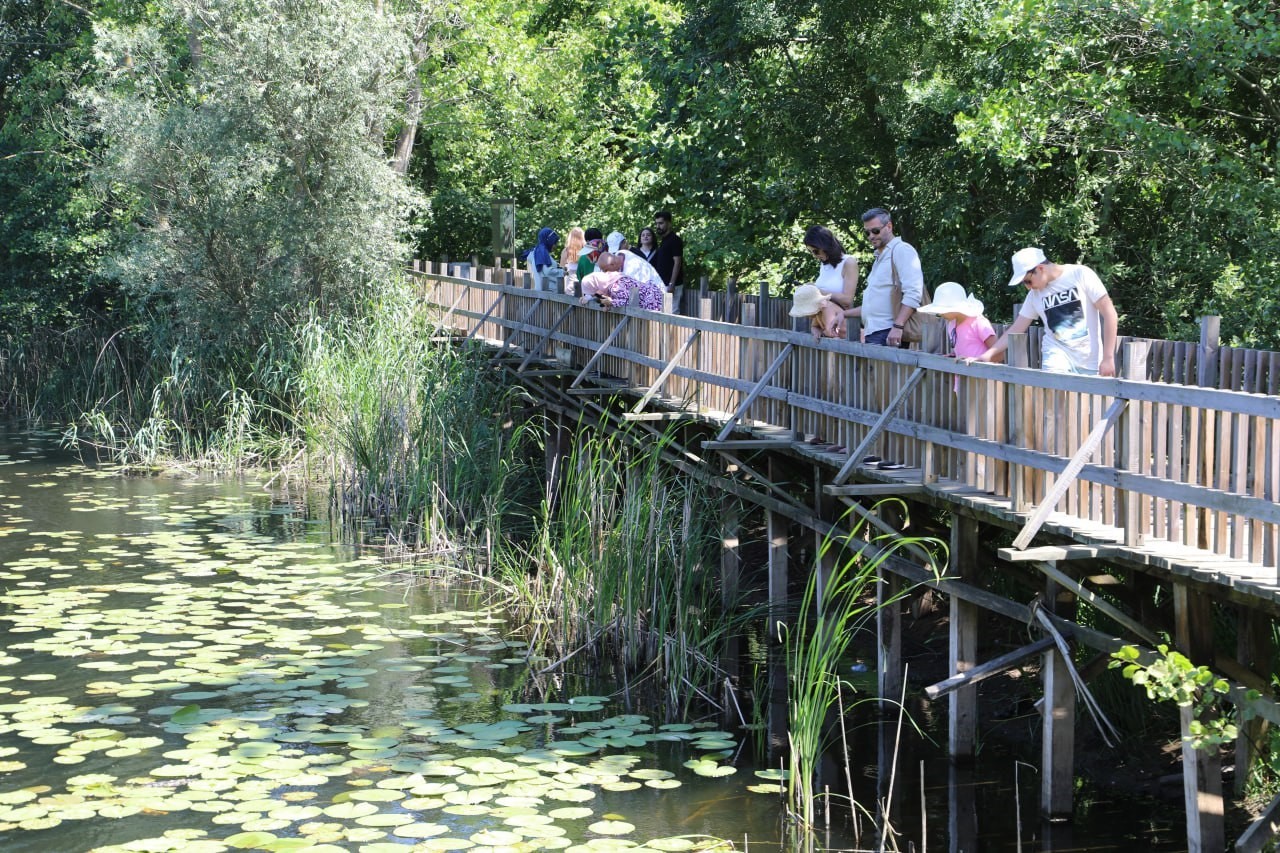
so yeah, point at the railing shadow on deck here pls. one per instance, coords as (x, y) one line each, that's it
(1171, 460)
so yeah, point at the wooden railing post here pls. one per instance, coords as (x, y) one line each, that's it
(1019, 431)
(731, 311)
(1129, 453)
(1207, 361)
(1208, 352)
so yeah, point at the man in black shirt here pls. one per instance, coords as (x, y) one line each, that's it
(668, 260)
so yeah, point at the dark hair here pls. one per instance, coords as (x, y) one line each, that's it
(592, 234)
(640, 234)
(877, 213)
(663, 214)
(822, 238)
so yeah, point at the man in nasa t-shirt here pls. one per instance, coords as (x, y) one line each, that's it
(1079, 319)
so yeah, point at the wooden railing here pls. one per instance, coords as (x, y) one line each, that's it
(1130, 459)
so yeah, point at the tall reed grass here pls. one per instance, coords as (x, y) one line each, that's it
(817, 646)
(420, 439)
(625, 562)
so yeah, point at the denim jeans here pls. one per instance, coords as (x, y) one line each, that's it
(881, 338)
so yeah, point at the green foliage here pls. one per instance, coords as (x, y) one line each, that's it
(242, 146)
(1172, 677)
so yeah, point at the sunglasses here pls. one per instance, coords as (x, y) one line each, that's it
(875, 232)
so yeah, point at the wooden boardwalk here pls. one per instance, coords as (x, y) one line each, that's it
(1170, 473)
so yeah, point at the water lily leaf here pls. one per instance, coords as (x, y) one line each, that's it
(250, 840)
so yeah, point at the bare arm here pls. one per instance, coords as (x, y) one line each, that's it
(1110, 327)
(677, 264)
(995, 351)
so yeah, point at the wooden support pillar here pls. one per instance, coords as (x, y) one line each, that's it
(962, 809)
(777, 529)
(559, 447)
(962, 721)
(730, 573)
(1201, 769)
(889, 626)
(825, 560)
(1253, 650)
(1058, 718)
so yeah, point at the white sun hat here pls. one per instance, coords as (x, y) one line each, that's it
(950, 298)
(807, 300)
(614, 241)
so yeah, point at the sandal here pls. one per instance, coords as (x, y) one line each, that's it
(870, 460)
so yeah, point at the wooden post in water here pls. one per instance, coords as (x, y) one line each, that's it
(1129, 455)
(1201, 768)
(559, 449)
(730, 574)
(889, 625)
(777, 529)
(1253, 650)
(825, 561)
(962, 721)
(1058, 717)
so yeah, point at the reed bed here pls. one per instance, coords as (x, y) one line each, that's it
(816, 649)
(418, 440)
(624, 562)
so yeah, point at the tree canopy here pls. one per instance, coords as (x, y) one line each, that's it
(209, 172)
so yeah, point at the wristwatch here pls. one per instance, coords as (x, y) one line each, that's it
(899, 326)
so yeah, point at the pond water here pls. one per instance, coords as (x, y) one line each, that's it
(189, 663)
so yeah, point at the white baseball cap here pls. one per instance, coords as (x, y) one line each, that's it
(1025, 260)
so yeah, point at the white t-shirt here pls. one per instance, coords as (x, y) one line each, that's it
(1067, 308)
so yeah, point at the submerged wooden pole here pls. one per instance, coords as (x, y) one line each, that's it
(962, 718)
(777, 529)
(1201, 768)
(889, 626)
(1058, 719)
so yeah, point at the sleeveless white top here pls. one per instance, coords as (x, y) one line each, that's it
(831, 279)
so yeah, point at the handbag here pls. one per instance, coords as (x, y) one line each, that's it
(912, 331)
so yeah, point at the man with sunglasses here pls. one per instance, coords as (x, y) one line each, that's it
(883, 318)
(1078, 315)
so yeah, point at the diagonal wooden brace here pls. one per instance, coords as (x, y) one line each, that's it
(542, 341)
(907, 387)
(445, 319)
(755, 392)
(666, 371)
(1068, 475)
(471, 334)
(608, 342)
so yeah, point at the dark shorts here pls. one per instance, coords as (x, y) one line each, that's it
(881, 338)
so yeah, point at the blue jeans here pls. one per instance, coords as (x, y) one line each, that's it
(881, 338)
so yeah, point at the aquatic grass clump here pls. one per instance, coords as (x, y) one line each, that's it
(622, 563)
(419, 439)
(816, 646)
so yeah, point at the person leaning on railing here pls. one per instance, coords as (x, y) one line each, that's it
(1076, 311)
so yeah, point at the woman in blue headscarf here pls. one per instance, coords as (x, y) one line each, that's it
(547, 239)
